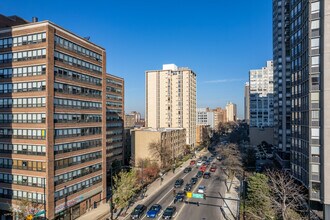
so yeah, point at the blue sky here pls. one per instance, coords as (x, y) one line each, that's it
(219, 39)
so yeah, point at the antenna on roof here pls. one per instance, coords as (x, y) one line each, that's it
(87, 38)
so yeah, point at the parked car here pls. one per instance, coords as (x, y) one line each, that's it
(201, 189)
(169, 212)
(187, 170)
(206, 175)
(138, 211)
(178, 183)
(193, 180)
(218, 158)
(192, 162)
(154, 211)
(179, 197)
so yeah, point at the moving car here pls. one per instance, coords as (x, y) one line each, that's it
(178, 183)
(138, 211)
(187, 170)
(206, 175)
(169, 212)
(188, 187)
(193, 180)
(199, 163)
(201, 189)
(199, 174)
(192, 162)
(154, 211)
(202, 168)
(213, 168)
(179, 197)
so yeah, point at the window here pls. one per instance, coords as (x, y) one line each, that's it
(315, 60)
(315, 133)
(315, 7)
(315, 42)
(315, 24)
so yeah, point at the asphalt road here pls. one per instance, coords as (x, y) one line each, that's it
(208, 209)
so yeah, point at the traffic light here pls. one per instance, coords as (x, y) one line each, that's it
(204, 196)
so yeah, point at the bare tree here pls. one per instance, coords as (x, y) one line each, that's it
(162, 152)
(287, 197)
(232, 160)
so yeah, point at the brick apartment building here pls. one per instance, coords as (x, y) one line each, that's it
(53, 148)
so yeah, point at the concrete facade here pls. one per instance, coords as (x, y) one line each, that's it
(171, 100)
(261, 96)
(247, 102)
(172, 138)
(205, 116)
(309, 88)
(231, 111)
(203, 133)
(282, 82)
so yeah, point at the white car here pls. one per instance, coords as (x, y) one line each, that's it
(199, 163)
(201, 189)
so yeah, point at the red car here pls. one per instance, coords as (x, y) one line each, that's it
(192, 162)
(213, 169)
(202, 168)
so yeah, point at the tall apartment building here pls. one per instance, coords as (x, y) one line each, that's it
(231, 111)
(132, 119)
(171, 100)
(261, 96)
(282, 82)
(310, 76)
(52, 119)
(220, 116)
(247, 102)
(205, 116)
(115, 122)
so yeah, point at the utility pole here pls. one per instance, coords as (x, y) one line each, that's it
(111, 198)
(44, 182)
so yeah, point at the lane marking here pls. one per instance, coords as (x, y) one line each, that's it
(164, 197)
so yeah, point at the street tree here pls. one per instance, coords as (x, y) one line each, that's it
(258, 203)
(286, 196)
(232, 160)
(162, 152)
(24, 207)
(125, 187)
(148, 170)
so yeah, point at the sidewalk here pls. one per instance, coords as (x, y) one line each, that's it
(232, 204)
(103, 211)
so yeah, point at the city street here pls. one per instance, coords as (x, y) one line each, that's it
(207, 209)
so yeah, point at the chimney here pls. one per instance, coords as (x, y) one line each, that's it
(34, 19)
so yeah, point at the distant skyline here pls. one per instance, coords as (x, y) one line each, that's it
(219, 40)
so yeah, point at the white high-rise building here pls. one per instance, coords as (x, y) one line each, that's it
(171, 100)
(261, 96)
(205, 116)
(231, 111)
